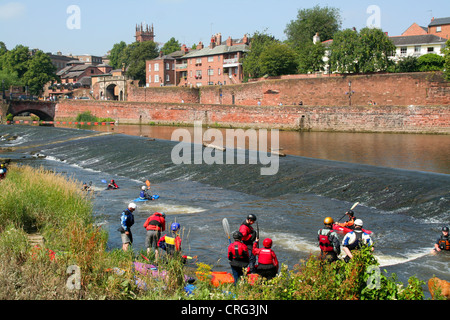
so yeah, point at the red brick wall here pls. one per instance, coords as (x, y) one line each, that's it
(163, 94)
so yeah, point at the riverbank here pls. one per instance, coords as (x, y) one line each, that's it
(56, 208)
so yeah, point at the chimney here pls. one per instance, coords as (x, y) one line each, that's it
(229, 41)
(213, 42)
(316, 38)
(184, 49)
(245, 39)
(200, 45)
(218, 39)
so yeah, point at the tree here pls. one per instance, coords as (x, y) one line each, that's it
(171, 46)
(447, 60)
(16, 60)
(430, 62)
(135, 56)
(345, 52)
(366, 51)
(376, 47)
(251, 62)
(407, 64)
(116, 55)
(40, 70)
(278, 59)
(325, 21)
(310, 58)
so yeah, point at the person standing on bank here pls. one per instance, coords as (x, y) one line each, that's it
(238, 256)
(154, 225)
(267, 259)
(126, 221)
(330, 246)
(248, 237)
(355, 239)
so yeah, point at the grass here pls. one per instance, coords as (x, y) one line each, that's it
(36, 200)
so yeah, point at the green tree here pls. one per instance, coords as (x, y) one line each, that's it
(324, 21)
(16, 60)
(251, 62)
(278, 59)
(310, 58)
(430, 62)
(447, 60)
(171, 46)
(407, 64)
(376, 47)
(135, 56)
(345, 52)
(40, 70)
(116, 55)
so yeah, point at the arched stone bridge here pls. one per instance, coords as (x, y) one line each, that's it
(45, 110)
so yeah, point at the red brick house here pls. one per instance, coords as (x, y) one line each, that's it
(218, 64)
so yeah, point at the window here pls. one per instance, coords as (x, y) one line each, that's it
(167, 66)
(417, 49)
(149, 67)
(438, 29)
(198, 61)
(156, 78)
(167, 78)
(210, 72)
(211, 59)
(156, 67)
(219, 72)
(149, 79)
(403, 50)
(430, 49)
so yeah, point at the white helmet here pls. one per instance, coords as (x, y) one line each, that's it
(143, 187)
(132, 205)
(358, 222)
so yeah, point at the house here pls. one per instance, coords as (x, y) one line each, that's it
(218, 64)
(417, 45)
(440, 27)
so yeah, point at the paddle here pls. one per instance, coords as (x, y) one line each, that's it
(257, 231)
(226, 228)
(104, 181)
(353, 207)
(147, 183)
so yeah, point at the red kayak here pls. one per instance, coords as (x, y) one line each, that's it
(345, 230)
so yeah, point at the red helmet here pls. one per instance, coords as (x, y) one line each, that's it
(267, 243)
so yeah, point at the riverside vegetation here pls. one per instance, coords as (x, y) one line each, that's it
(39, 201)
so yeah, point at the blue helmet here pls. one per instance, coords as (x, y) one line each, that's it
(175, 226)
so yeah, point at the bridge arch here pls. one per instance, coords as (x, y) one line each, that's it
(45, 110)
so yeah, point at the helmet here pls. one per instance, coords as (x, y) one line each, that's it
(267, 243)
(328, 220)
(237, 235)
(358, 222)
(163, 214)
(445, 229)
(251, 217)
(175, 226)
(132, 205)
(350, 213)
(143, 188)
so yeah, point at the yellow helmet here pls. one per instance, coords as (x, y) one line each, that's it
(328, 220)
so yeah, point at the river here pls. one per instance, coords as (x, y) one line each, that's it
(401, 181)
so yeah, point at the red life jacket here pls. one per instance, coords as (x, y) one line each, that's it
(324, 243)
(265, 256)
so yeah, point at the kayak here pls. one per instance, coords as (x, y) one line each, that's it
(344, 230)
(154, 197)
(221, 277)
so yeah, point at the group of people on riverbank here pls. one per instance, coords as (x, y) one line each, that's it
(244, 252)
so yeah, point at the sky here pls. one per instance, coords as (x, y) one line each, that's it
(93, 26)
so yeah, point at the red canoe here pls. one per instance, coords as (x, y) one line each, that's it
(344, 230)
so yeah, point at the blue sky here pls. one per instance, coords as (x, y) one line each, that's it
(43, 24)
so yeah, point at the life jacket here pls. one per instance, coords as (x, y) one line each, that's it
(154, 223)
(444, 243)
(265, 256)
(250, 234)
(358, 240)
(237, 256)
(172, 244)
(324, 242)
(142, 195)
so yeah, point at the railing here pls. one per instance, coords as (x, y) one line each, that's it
(232, 60)
(181, 66)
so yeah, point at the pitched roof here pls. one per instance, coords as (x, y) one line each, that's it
(221, 49)
(439, 22)
(415, 40)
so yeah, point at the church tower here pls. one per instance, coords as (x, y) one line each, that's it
(144, 33)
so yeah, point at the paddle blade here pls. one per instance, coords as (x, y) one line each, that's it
(147, 183)
(104, 181)
(354, 206)
(226, 228)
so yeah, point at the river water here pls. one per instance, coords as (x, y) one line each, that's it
(402, 182)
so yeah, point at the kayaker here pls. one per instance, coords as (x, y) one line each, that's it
(126, 221)
(329, 243)
(267, 266)
(351, 220)
(353, 240)
(171, 244)
(144, 194)
(248, 237)
(154, 225)
(238, 256)
(443, 242)
(112, 185)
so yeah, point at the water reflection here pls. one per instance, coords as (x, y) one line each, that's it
(421, 152)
